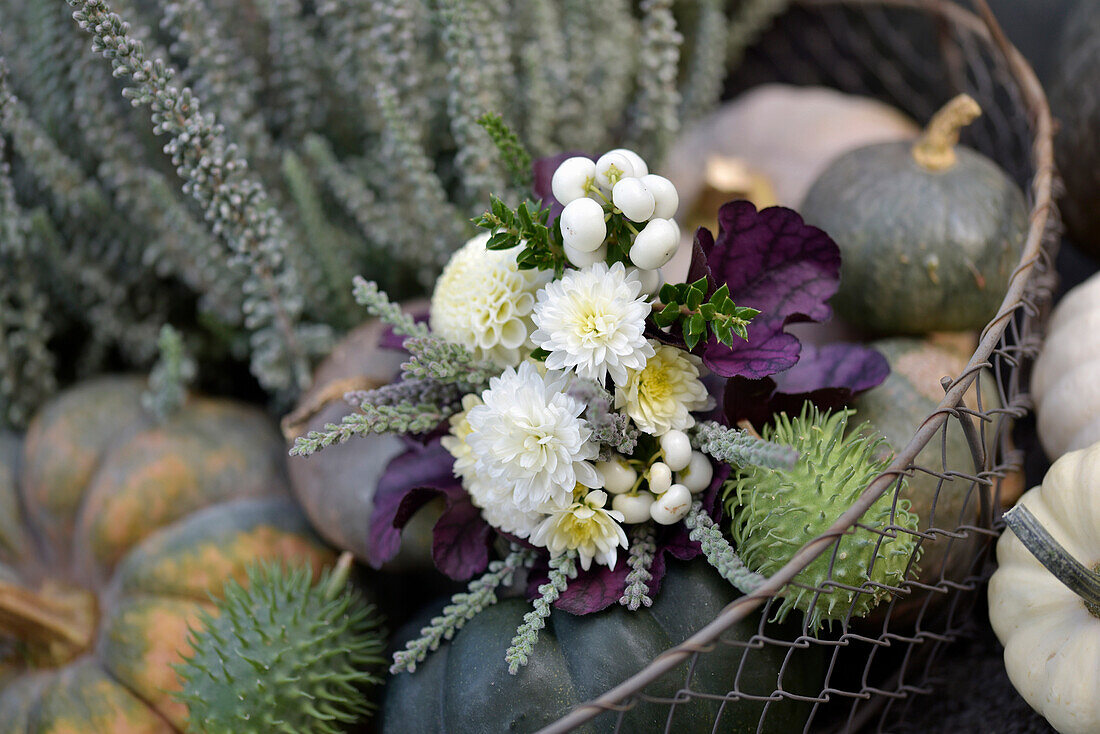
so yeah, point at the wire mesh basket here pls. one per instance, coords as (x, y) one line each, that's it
(914, 54)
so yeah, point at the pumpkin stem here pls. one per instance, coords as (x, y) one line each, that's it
(935, 149)
(1079, 578)
(338, 579)
(56, 625)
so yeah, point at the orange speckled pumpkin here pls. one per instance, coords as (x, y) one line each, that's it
(114, 530)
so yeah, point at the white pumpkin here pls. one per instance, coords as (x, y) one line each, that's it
(1066, 381)
(1051, 634)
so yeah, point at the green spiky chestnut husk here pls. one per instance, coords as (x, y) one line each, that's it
(283, 655)
(776, 511)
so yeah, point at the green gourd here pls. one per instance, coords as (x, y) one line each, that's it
(776, 511)
(908, 396)
(929, 232)
(465, 685)
(1075, 105)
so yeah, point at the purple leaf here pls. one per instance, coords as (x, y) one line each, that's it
(829, 376)
(460, 538)
(772, 261)
(594, 589)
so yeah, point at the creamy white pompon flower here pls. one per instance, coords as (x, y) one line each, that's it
(593, 321)
(586, 527)
(529, 438)
(493, 499)
(662, 395)
(483, 301)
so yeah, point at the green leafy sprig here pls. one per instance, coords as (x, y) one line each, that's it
(524, 226)
(687, 304)
(512, 151)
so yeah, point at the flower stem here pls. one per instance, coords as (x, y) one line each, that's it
(1079, 578)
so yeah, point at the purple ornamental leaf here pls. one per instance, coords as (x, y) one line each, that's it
(829, 376)
(460, 538)
(775, 262)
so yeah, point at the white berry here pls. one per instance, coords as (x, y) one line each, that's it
(665, 198)
(677, 449)
(651, 280)
(618, 476)
(660, 477)
(571, 178)
(655, 245)
(672, 506)
(635, 507)
(582, 225)
(584, 259)
(633, 199)
(613, 166)
(696, 477)
(636, 162)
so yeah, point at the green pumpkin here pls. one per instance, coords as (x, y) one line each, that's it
(1073, 99)
(114, 532)
(909, 395)
(929, 233)
(465, 685)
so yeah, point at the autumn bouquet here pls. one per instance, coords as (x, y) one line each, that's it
(578, 414)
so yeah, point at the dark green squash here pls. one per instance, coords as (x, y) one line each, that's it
(929, 232)
(1076, 105)
(909, 395)
(465, 685)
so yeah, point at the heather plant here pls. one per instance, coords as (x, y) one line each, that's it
(224, 165)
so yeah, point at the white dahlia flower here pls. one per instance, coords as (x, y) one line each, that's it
(484, 301)
(586, 527)
(661, 396)
(593, 320)
(529, 439)
(493, 499)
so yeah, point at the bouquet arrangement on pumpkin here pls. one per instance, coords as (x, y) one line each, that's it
(586, 419)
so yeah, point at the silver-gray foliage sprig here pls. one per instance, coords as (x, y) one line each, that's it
(236, 205)
(464, 606)
(707, 70)
(404, 418)
(611, 429)
(718, 551)
(657, 106)
(367, 293)
(740, 448)
(26, 363)
(170, 376)
(643, 549)
(563, 568)
(437, 359)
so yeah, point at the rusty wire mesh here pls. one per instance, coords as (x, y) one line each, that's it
(914, 54)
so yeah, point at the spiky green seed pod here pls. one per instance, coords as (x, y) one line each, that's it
(776, 511)
(283, 655)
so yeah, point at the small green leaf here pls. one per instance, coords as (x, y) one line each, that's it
(720, 295)
(708, 311)
(700, 285)
(692, 339)
(668, 293)
(540, 354)
(697, 324)
(738, 327)
(694, 298)
(667, 316)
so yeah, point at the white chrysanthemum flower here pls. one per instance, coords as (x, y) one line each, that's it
(530, 440)
(494, 501)
(593, 320)
(662, 395)
(586, 527)
(484, 301)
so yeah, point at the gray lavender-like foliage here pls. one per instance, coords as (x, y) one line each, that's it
(279, 145)
(718, 551)
(740, 448)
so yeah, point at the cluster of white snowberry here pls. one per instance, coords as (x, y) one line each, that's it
(618, 183)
